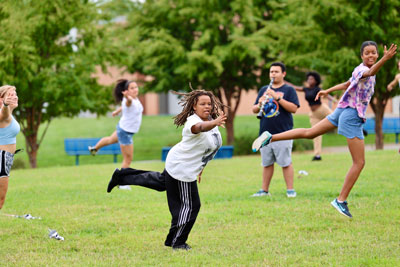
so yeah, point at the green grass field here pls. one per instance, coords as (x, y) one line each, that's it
(155, 133)
(127, 228)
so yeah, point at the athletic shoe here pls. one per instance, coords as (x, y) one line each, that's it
(263, 140)
(316, 158)
(92, 150)
(291, 193)
(341, 207)
(114, 181)
(261, 193)
(55, 235)
(182, 247)
(124, 187)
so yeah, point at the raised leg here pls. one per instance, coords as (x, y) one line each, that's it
(320, 128)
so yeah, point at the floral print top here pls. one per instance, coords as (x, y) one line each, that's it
(360, 91)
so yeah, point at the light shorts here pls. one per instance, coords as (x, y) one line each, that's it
(124, 137)
(6, 161)
(279, 152)
(348, 122)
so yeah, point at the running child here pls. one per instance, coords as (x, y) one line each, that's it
(348, 117)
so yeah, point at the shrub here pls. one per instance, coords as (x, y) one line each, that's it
(242, 145)
(18, 164)
(302, 145)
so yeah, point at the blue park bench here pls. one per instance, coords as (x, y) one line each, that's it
(224, 152)
(79, 146)
(389, 125)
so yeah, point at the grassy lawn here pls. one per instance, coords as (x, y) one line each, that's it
(155, 133)
(127, 228)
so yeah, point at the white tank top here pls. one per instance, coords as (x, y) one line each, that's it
(131, 118)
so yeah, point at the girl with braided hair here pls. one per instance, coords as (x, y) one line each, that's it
(184, 165)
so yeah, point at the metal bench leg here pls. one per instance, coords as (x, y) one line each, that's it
(77, 160)
(115, 158)
(397, 138)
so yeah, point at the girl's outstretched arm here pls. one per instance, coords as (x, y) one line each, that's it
(341, 86)
(297, 88)
(387, 54)
(393, 83)
(117, 111)
(208, 125)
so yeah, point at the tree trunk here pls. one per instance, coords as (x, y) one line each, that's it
(30, 127)
(378, 106)
(32, 149)
(230, 96)
(230, 132)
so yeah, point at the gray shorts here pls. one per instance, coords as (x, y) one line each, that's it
(6, 161)
(279, 152)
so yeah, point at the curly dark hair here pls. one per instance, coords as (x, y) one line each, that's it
(122, 85)
(316, 76)
(189, 100)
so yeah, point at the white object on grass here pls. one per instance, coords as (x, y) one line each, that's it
(55, 235)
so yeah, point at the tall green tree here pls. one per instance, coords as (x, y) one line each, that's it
(216, 45)
(326, 35)
(49, 50)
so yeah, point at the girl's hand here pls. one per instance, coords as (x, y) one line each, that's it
(115, 113)
(11, 99)
(321, 93)
(220, 121)
(388, 54)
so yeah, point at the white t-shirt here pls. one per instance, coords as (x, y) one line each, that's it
(189, 157)
(131, 118)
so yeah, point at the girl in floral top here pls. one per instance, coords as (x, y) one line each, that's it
(348, 117)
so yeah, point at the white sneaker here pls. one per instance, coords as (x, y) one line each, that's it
(261, 193)
(262, 140)
(291, 193)
(124, 187)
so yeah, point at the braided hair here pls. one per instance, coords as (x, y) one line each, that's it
(189, 100)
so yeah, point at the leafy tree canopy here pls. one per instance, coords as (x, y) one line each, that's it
(49, 50)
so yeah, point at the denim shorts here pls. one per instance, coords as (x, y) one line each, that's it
(279, 152)
(124, 137)
(348, 122)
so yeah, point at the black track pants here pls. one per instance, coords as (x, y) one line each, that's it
(149, 179)
(183, 199)
(184, 205)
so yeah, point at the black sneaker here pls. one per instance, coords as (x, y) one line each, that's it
(113, 182)
(182, 247)
(341, 207)
(316, 158)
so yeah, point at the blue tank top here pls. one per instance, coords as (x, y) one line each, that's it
(8, 135)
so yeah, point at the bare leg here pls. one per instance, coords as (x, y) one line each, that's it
(127, 155)
(267, 176)
(356, 147)
(320, 128)
(3, 190)
(288, 174)
(105, 141)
